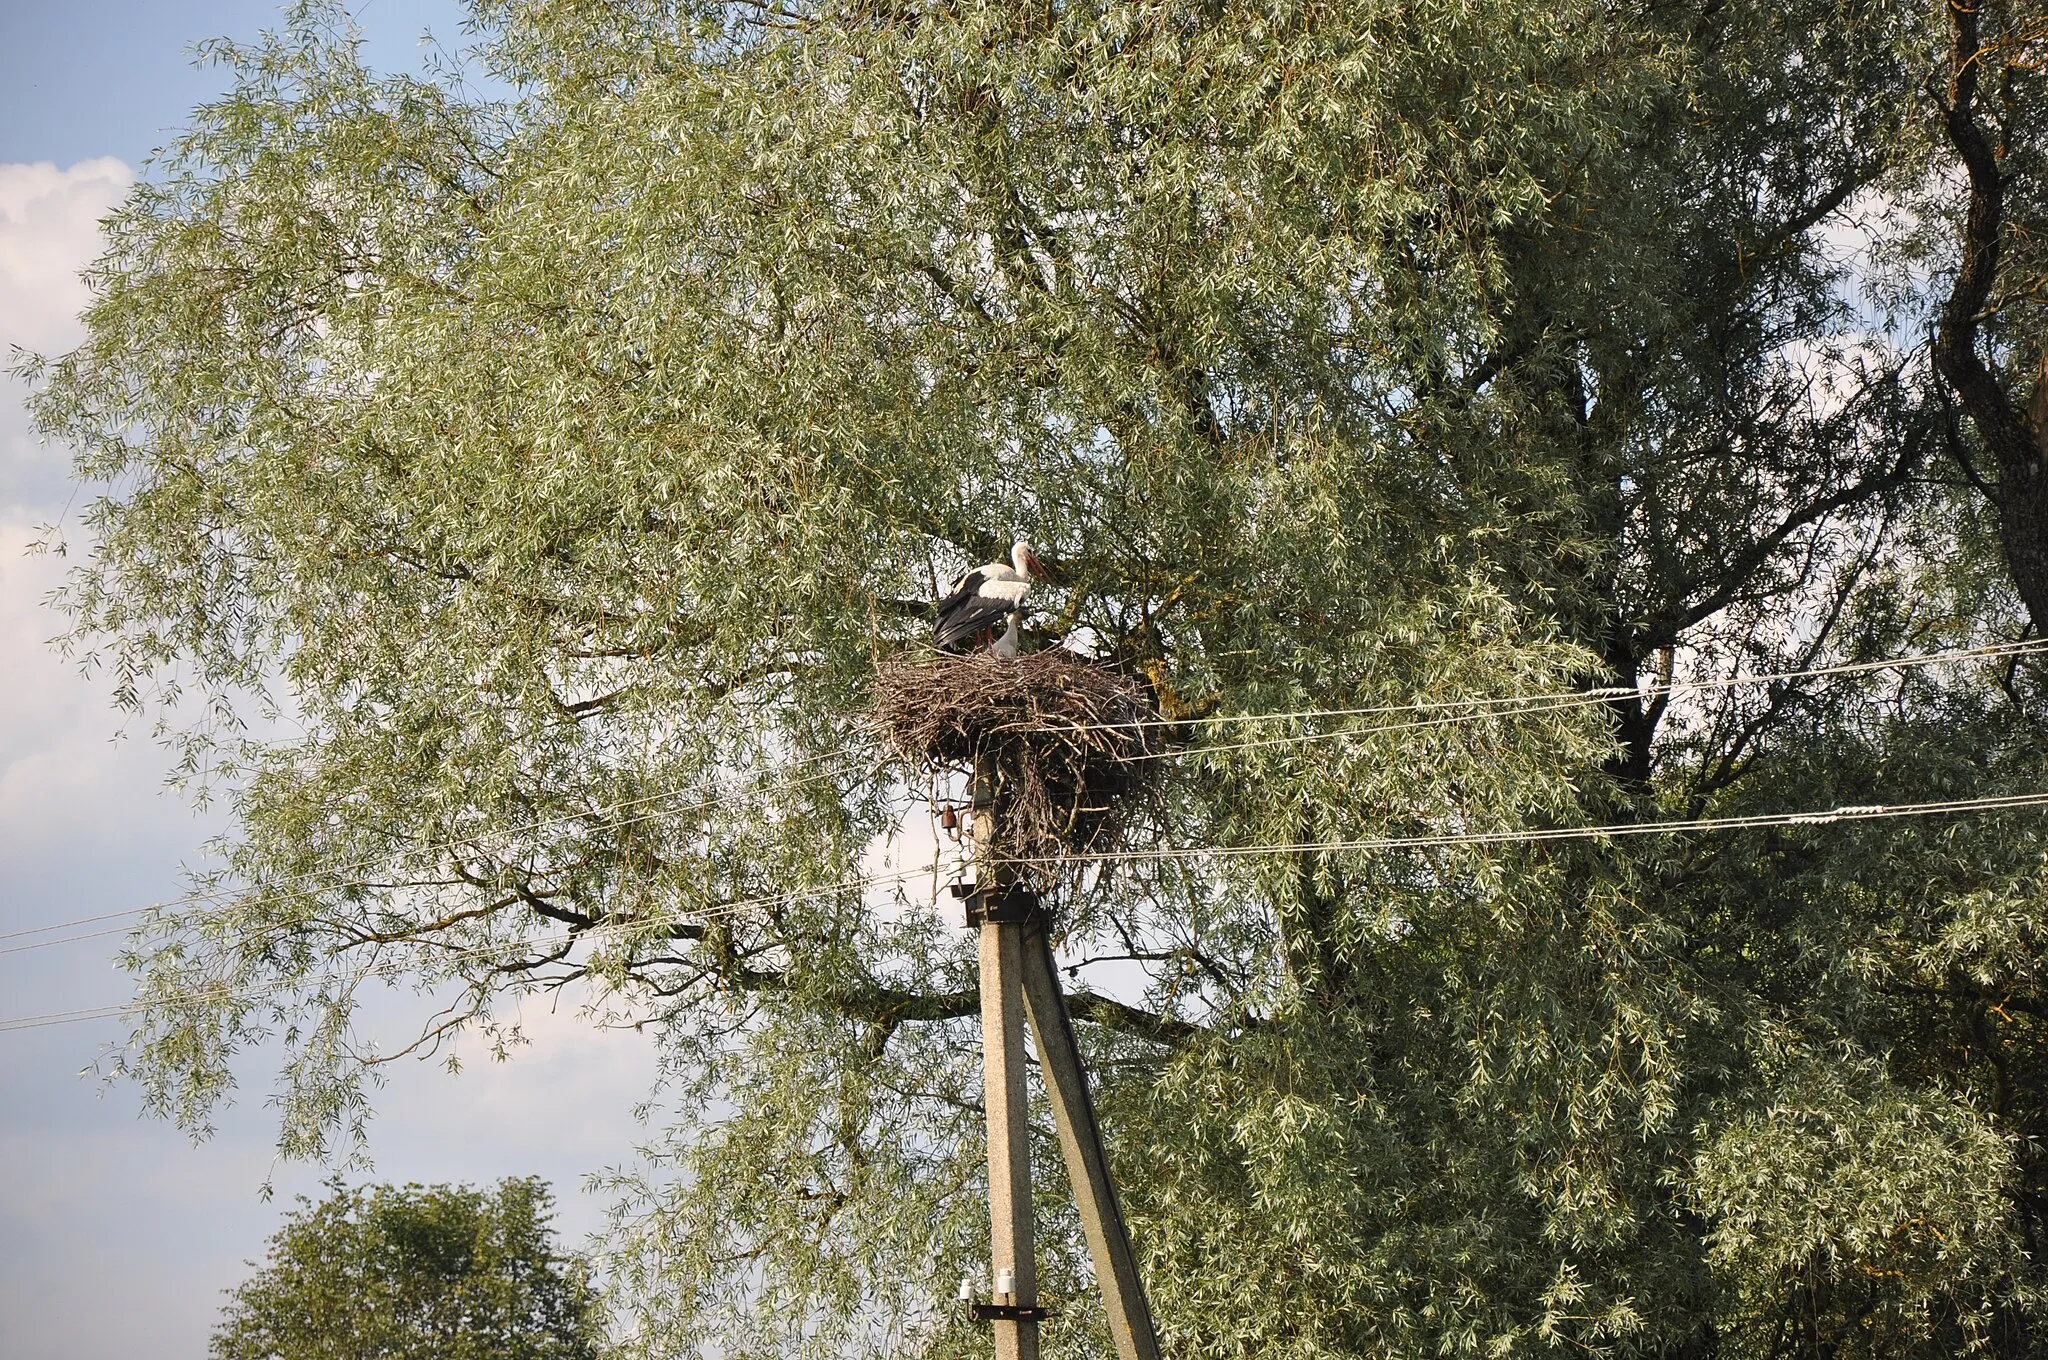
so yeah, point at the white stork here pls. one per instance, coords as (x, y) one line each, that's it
(991, 590)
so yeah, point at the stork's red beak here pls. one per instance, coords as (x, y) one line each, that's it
(1034, 567)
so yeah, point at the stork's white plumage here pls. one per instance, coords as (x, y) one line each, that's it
(983, 596)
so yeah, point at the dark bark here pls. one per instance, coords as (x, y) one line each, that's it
(2016, 438)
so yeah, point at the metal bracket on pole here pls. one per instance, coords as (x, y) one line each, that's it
(1007, 1312)
(1003, 906)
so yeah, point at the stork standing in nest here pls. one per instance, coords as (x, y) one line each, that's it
(967, 617)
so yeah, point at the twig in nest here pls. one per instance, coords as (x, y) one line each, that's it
(1065, 735)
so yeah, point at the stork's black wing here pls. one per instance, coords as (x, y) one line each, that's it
(969, 586)
(966, 612)
(979, 602)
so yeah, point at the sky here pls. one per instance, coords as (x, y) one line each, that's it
(117, 1234)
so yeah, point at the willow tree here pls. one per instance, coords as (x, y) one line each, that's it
(562, 466)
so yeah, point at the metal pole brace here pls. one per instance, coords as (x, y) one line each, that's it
(1008, 1312)
(1007, 906)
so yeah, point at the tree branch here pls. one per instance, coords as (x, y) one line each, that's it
(890, 1007)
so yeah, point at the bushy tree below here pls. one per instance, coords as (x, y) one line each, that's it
(419, 1272)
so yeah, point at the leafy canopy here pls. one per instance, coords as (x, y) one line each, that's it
(440, 1271)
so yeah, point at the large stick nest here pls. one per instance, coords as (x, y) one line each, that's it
(1066, 738)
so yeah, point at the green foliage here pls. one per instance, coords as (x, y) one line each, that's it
(560, 467)
(424, 1271)
(1843, 1184)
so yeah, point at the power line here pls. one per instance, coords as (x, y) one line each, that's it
(74, 939)
(1590, 697)
(1496, 706)
(1297, 738)
(301, 893)
(1553, 701)
(399, 856)
(1554, 704)
(1821, 817)
(79, 921)
(1854, 812)
(720, 910)
(1539, 702)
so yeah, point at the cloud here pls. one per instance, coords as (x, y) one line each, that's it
(65, 786)
(64, 775)
(49, 231)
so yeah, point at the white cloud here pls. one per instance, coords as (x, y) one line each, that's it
(49, 231)
(61, 777)
(56, 758)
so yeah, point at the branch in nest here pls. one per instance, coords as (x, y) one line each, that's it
(1067, 738)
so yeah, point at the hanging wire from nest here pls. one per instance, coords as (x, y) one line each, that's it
(1065, 736)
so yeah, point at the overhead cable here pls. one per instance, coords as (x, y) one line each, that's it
(1602, 694)
(340, 882)
(1851, 812)
(1487, 707)
(1820, 817)
(588, 933)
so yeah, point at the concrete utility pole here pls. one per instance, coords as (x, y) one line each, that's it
(1018, 976)
(1013, 1308)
